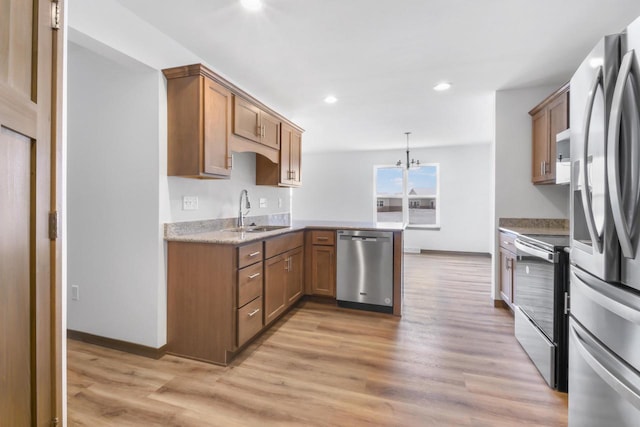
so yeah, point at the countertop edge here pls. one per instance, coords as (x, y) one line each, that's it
(533, 230)
(238, 238)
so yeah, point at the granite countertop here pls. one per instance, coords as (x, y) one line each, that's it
(350, 225)
(539, 226)
(226, 236)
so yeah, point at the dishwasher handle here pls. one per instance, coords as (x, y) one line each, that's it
(364, 239)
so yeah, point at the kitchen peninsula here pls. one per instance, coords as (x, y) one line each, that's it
(225, 284)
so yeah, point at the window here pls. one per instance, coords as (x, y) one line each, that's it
(408, 196)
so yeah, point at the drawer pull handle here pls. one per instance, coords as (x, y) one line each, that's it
(323, 238)
(254, 254)
(253, 276)
(254, 312)
(506, 242)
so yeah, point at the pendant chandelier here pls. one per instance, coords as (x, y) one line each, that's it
(410, 164)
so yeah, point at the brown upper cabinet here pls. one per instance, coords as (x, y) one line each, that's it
(549, 118)
(251, 122)
(199, 127)
(208, 118)
(286, 173)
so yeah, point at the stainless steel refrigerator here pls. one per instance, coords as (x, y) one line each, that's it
(604, 326)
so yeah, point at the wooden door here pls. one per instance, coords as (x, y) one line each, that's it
(30, 337)
(275, 272)
(558, 121)
(246, 119)
(270, 130)
(217, 128)
(285, 148)
(540, 149)
(295, 158)
(323, 270)
(295, 277)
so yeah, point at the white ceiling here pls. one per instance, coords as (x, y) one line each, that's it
(381, 58)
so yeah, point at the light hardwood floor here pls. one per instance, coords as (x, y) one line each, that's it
(451, 360)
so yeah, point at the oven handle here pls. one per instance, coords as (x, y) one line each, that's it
(528, 249)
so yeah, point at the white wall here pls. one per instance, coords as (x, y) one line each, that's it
(340, 186)
(117, 183)
(515, 195)
(112, 199)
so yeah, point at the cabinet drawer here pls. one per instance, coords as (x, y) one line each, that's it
(280, 244)
(249, 283)
(327, 238)
(507, 240)
(249, 320)
(249, 254)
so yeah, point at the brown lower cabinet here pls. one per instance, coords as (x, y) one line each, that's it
(321, 266)
(282, 283)
(221, 296)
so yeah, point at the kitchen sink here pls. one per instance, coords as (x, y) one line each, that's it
(256, 228)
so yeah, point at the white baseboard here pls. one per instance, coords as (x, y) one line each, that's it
(411, 250)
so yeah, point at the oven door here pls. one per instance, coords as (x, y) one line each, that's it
(535, 289)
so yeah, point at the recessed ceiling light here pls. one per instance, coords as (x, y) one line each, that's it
(252, 5)
(442, 86)
(330, 99)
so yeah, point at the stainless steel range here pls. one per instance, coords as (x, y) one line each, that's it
(541, 295)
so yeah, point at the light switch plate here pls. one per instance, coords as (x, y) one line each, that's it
(75, 293)
(279, 202)
(263, 202)
(189, 203)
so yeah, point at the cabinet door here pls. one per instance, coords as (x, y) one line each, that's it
(246, 119)
(506, 276)
(540, 148)
(217, 129)
(270, 130)
(558, 121)
(285, 154)
(275, 276)
(294, 275)
(323, 270)
(295, 158)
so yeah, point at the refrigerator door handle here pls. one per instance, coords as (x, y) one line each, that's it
(586, 200)
(628, 68)
(618, 302)
(612, 371)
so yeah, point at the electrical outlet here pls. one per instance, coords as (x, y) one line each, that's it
(189, 203)
(75, 293)
(263, 202)
(279, 202)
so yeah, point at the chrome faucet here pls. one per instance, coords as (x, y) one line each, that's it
(248, 206)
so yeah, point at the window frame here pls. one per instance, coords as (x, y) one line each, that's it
(406, 197)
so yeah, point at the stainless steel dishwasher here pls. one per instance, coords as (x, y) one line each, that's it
(365, 270)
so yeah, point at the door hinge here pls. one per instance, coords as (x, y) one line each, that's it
(55, 14)
(55, 422)
(53, 225)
